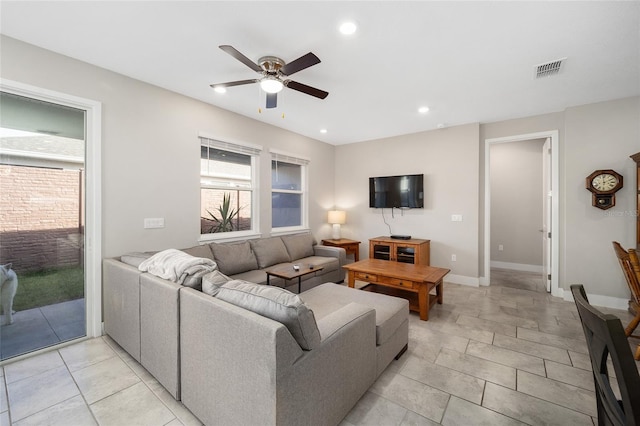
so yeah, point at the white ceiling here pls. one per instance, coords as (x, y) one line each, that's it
(467, 61)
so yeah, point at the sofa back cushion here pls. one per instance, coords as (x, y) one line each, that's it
(200, 251)
(234, 258)
(277, 304)
(299, 245)
(269, 251)
(135, 258)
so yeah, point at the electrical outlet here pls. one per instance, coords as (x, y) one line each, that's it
(453, 258)
(500, 247)
(456, 218)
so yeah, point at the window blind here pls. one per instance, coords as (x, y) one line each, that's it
(230, 146)
(288, 158)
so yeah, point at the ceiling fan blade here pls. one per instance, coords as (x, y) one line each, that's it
(272, 100)
(301, 63)
(306, 89)
(234, 83)
(239, 56)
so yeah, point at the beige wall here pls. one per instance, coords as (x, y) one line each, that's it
(599, 136)
(151, 162)
(516, 204)
(449, 160)
(151, 154)
(595, 136)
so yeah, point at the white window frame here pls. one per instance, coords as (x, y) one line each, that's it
(241, 148)
(285, 157)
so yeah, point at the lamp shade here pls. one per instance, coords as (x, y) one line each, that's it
(337, 217)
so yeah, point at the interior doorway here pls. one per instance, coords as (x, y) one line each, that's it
(552, 175)
(50, 226)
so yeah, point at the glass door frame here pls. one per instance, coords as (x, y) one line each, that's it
(93, 196)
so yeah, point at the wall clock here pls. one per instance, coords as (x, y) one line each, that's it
(603, 185)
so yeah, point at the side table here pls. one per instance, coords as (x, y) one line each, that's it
(350, 246)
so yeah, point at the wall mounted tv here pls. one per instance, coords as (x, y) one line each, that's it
(397, 191)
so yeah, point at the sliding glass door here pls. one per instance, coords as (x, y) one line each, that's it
(42, 224)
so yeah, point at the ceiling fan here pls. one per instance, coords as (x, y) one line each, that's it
(274, 72)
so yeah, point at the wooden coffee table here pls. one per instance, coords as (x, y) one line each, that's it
(286, 272)
(412, 282)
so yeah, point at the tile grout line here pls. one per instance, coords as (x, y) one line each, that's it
(175, 415)
(64, 361)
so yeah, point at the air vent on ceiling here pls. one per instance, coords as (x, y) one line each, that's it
(549, 68)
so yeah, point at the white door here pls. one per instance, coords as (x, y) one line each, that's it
(546, 214)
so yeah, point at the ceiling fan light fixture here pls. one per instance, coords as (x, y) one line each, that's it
(348, 28)
(271, 85)
(220, 89)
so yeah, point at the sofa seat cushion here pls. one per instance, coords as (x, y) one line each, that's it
(277, 304)
(391, 311)
(328, 263)
(234, 258)
(299, 245)
(257, 276)
(269, 251)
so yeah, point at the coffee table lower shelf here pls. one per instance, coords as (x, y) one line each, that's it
(411, 296)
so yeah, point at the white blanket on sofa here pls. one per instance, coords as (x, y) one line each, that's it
(177, 266)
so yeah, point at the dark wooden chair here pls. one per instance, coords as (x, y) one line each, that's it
(631, 269)
(606, 339)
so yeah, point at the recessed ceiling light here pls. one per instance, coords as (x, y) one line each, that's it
(423, 110)
(323, 130)
(220, 90)
(348, 28)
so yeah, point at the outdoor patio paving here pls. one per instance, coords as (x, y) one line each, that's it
(37, 328)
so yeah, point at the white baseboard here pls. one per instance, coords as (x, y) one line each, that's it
(462, 280)
(517, 266)
(603, 301)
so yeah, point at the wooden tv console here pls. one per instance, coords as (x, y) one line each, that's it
(414, 250)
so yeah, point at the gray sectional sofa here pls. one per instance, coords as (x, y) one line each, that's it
(231, 362)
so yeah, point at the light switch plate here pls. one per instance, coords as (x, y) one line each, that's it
(154, 222)
(456, 218)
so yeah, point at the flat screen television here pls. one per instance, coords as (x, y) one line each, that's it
(405, 191)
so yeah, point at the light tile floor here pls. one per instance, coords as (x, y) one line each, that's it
(507, 354)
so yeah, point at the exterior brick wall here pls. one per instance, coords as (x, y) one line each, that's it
(41, 224)
(210, 199)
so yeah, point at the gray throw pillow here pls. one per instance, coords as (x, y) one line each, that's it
(299, 245)
(234, 258)
(269, 251)
(212, 282)
(277, 304)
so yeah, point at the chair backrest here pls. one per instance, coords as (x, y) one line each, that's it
(631, 268)
(605, 337)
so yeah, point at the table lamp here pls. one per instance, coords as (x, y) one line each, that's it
(337, 218)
